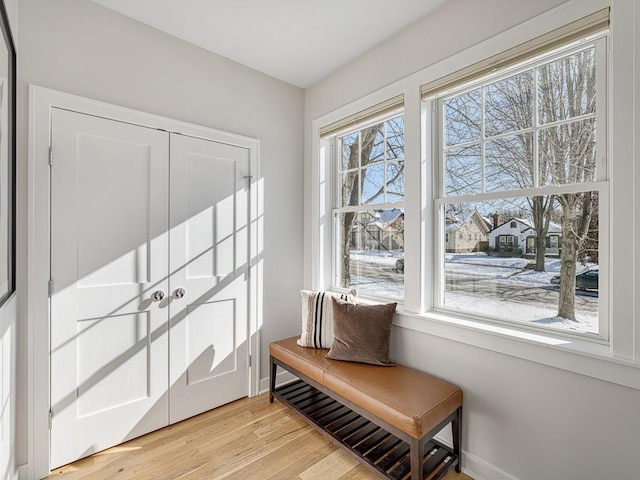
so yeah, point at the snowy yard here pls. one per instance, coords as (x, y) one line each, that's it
(486, 285)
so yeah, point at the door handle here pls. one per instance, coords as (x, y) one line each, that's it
(158, 295)
(179, 292)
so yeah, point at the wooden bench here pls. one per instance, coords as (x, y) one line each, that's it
(385, 416)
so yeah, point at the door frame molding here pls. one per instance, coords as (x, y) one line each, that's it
(41, 102)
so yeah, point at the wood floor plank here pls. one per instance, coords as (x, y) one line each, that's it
(276, 464)
(250, 439)
(331, 467)
(234, 456)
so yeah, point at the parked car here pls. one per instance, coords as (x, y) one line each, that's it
(587, 280)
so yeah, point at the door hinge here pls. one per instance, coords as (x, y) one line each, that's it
(50, 420)
(50, 287)
(248, 360)
(50, 156)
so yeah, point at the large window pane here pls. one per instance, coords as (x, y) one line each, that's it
(395, 138)
(567, 87)
(350, 188)
(395, 182)
(350, 152)
(373, 144)
(463, 170)
(509, 104)
(568, 153)
(463, 118)
(373, 182)
(371, 252)
(509, 163)
(496, 276)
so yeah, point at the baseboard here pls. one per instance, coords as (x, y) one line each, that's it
(23, 472)
(281, 379)
(478, 469)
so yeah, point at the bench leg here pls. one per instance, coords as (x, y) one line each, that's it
(456, 427)
(417, 458)
(272, 379)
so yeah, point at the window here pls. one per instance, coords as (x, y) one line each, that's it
(527, 149)
(368, 213)
(434, 216)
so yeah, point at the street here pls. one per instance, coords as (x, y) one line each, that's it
(489, 286)
(512, 291)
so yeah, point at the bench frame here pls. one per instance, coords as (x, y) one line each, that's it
(422, 465)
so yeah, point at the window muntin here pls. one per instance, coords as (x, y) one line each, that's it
(369, 208)
(532, 131)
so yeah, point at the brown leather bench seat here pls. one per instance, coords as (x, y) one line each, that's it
(410, 404)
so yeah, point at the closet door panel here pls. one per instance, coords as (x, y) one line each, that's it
(209, 275)
(109, 254)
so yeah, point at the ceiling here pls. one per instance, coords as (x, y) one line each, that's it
(297, 41)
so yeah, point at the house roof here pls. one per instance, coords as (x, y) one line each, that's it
(386, 217)
(524, 222)
(528, 225)
(553, 228)
(455, 225)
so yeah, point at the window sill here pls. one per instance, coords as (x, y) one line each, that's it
(574, 355)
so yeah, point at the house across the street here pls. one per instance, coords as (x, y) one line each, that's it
(465, 236)
(518, 235)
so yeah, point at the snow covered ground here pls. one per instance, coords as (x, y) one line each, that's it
(486, 285)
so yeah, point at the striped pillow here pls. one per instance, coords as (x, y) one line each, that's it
(317, 317)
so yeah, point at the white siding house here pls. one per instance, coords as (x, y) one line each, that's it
(553, 240)
(517, 235)
(469, 235)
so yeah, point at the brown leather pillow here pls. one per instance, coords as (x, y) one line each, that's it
(361, 333)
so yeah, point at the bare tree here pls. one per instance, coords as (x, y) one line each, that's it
(567, 91)
(589, 248)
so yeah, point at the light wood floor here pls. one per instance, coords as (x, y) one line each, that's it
(247, 439)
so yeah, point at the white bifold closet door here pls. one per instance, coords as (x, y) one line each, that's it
(149, 280)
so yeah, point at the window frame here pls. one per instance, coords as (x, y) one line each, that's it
(332, 141)
(600, 44)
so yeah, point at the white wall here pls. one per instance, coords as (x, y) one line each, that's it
(522, 420)
(528, 420)
(78, 47)
(457, 25)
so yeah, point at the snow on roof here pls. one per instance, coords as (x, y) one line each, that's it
(453, 223)
(453, 227)
(553, 228)
(527, 223)
(386, 217)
